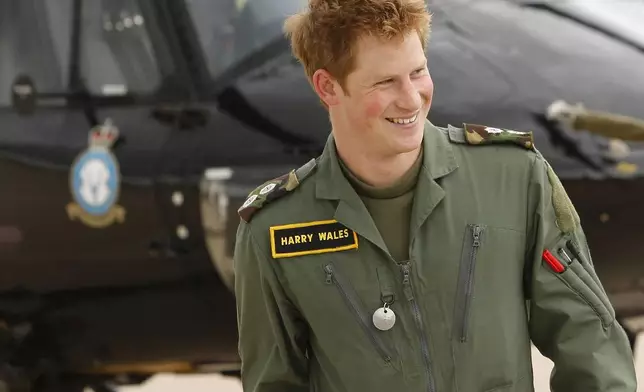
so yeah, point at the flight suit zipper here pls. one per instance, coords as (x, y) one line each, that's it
(466, 279)
(350, 298)
(409, 294)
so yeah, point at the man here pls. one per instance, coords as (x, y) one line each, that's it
(409, 257)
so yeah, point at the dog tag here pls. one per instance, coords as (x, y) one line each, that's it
(384, 318)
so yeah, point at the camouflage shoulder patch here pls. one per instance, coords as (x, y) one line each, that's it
(480, 135)
(274, 189)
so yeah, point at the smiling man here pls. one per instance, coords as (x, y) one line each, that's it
(411, 257)
(378, 111)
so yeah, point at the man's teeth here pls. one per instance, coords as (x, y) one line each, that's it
(403, 120)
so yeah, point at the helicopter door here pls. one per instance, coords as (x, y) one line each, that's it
(83, 203)
(41, 129)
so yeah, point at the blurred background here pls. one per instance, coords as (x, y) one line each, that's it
(132, 130)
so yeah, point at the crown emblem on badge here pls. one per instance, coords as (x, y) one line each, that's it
(103, 135)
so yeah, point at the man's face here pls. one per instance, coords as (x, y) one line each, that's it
(388, 95)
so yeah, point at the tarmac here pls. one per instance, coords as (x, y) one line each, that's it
(215, 383)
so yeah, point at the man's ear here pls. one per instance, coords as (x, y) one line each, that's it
(326, 87)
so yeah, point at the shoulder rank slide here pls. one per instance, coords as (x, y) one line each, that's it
(309, 238)
(274, 189)
(480, 134)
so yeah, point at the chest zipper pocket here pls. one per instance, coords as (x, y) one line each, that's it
(352, 301)
(465, 285)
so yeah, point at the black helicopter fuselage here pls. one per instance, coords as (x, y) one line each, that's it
(142, 293)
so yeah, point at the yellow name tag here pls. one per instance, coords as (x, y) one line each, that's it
(311, 238)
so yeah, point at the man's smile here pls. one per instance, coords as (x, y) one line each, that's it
(403, 120)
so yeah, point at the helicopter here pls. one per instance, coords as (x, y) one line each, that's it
(131, 131)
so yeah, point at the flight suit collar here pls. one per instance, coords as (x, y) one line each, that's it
(331, 184)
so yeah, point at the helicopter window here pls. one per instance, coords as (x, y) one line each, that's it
(229, 30)
(36, 42)
(117, 55)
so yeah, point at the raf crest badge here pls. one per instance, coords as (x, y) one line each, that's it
(95, 181)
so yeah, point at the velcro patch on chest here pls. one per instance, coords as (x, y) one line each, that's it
(310, 238)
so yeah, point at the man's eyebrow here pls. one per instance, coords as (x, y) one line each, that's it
(385, 77)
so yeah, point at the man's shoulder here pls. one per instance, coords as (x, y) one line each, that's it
(282, 187)
(487, 144)
(482, 135)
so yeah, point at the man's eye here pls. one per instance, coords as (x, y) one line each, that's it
(383, 82)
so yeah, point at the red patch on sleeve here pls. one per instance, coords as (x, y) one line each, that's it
(553, 262)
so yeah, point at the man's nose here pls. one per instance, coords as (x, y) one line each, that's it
(409, 97)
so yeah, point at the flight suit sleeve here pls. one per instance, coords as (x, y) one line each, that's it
(571, 320)
(272, 336)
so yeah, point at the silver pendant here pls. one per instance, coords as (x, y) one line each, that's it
(384, 318)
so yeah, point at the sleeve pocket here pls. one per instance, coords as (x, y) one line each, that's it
(569, 269)
(574, 282)
(588, 282)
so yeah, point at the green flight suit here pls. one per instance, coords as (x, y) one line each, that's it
(492, 264)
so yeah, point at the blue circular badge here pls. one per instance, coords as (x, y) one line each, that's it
(95, 181)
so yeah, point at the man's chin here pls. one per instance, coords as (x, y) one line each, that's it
(409, 143)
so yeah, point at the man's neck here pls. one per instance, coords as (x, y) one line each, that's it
(375, 170)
